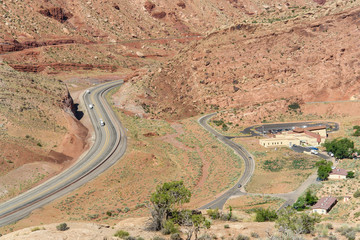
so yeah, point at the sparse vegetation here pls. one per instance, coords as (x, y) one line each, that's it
(62, 227)
(265, 215)
(294, 106)
(121, 234)
(298, 223)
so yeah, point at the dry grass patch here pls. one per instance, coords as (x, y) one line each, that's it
(277, 170)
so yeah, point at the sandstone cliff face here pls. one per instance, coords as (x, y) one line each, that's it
(258, 64)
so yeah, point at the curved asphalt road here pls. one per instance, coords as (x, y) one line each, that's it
(109, 146)
(245, 155)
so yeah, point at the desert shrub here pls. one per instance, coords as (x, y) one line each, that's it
(357, 194)
(329, 226)
(357, 214)
(254, 235)
(175, 236)
(140, 238)
(130, 238)
(265, 215)
(294, 106)
(213, 213)
(289, 219)
(218, 122)
(158, 238)
(242, 237)
(348, 232)
(350, 174)
(332, 237)
(35, 229)
(273, 165)
(226, 226)
(62, 227)
(206, 236)
(109, 213)
(169, 228)
(121, 234)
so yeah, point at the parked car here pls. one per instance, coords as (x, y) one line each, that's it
(330, 154)
(312, 151)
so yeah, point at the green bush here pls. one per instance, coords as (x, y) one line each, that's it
(350, 174)
(357, 194)
(35, 229)
(265, 215)
(62, 227)
(121, 234)
(169, 228)
(341, 147)
(226, 226)
(213, 213)
(294, 106)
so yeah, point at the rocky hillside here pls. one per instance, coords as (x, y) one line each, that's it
(262, 64)
(35, 115)
(28, 23)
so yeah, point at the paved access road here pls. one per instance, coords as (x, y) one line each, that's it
(235, 191)
(109, 146)
(245, 155)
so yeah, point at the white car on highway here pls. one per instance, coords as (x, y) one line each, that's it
(91, 106)
(102, 123)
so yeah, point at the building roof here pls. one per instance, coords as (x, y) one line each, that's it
(301, 130)
(325, 203)
(339, 171)
(315, 135)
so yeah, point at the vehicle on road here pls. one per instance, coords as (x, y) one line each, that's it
(91, 106)
(102, 123)
(88, 91)
(239, 186)
(313, 151)
(330, 154)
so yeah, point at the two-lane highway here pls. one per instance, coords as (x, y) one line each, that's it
(245, 155)
(109, 146)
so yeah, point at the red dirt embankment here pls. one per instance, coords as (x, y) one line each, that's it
(13, 45)
(36, 68)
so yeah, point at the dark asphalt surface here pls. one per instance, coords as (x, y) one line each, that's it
(109, 146)
(258, 130)
(245, 155)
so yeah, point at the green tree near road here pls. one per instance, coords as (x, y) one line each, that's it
(341, 147)
(304, 202)
(324, 169)
(350, 174)
(165, 200)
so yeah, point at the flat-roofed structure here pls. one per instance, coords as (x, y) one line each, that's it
(324, 205)
(312, 136)
(338, 173)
